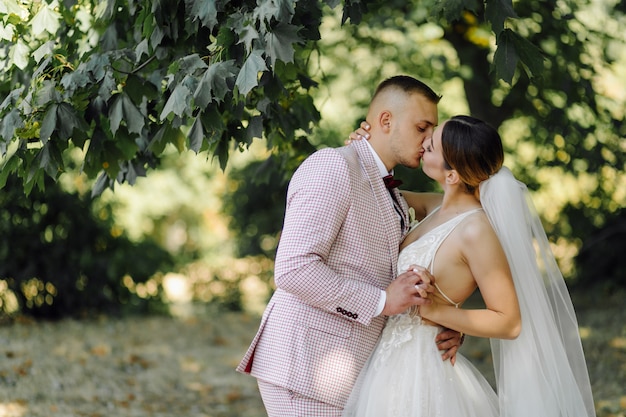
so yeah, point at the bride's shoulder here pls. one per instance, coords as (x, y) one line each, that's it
(476, 228)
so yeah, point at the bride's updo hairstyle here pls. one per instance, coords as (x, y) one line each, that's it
(472, 148)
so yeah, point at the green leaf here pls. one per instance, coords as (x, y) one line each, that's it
(248, 35)
(142, 49)
(49, 159)
(124, 109)
(213, 124)
(100, 185)
(222, 152)
(138, 89)
(49, 123)
(254, 129)
(286, 9)
(8, 125)
(45, 50)
(265, 11)
(166, 134)
(7, 32)
(353, 10)
(130, 175)
(530, 56)
(196, 135)
(12, 98)
(159, 140)
(126, 144)
(48, 93)
(19, 54)
(98, 65)
(214, 83)
(279, 42)
(46, 20)
(177, 103)
(10, 166)
(505, 58)
(116, 113)
(134, 119)
(34, 177)
(67, 121)
(107, 86)
(191, 63)
(248, 77)
(497, 11)
(205, 11)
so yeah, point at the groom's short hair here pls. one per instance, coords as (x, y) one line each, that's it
(409, 85)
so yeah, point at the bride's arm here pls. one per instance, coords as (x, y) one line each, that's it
(422, 203)
(488, 265)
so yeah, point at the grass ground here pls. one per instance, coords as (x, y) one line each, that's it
(184, 367)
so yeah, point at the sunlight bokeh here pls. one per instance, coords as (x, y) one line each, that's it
(13, 409)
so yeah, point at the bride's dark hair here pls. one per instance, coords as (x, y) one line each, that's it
(472, 148)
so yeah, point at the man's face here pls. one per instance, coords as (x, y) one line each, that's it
(411, 126)
(432, 160)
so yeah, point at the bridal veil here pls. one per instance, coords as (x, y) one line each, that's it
(542, 372)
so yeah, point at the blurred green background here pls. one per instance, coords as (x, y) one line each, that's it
(196, 230)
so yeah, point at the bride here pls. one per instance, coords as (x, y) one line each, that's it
(484, 234)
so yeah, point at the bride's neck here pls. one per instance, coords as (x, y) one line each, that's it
(457, 201)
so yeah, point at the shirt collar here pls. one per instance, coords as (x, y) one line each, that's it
(379, 162)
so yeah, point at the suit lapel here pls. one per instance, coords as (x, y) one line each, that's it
(383, 200)
(404, 208)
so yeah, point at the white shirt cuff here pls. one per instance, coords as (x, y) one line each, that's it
(381, 303)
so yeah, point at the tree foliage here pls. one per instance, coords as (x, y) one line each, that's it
(560, 115)
(60, 259)
(121, 80)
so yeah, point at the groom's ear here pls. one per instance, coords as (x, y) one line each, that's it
(384, 121)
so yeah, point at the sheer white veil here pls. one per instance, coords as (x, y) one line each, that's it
(542, 372)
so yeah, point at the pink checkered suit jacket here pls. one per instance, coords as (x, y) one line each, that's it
(338, 249)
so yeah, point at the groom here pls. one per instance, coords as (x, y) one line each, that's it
(336, 262)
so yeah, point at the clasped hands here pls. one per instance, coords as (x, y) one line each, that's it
(413, 288)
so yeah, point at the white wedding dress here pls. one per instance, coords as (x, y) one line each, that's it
(405, 376)
(542, 372)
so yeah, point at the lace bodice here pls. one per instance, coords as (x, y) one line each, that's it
(422, 252)
(400, 328)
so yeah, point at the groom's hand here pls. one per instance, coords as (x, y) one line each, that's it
(411, 288)
(449, 341)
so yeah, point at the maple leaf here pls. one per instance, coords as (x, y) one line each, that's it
(46, 20)
(280, 41)
(177, 103)
(248, 35)
(205, 10)
(213, 84)
(505, 58)
(196, 135)
(124, 109)
(248, 77)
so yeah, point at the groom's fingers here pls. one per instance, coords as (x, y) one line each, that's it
(450, 354)
(449, 342)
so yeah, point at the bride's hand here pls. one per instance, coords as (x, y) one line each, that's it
(360, 133)
(424, 286)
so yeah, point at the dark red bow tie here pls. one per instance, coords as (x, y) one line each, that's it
(391, 182)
